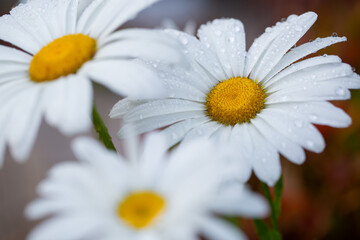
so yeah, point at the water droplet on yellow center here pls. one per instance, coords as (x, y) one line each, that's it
(141, 208)
(62, 57)
(235, 101)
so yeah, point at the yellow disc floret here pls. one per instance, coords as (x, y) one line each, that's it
(235, 101)
(62, 57)
(141, 208)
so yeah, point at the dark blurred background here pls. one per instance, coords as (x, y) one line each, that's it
(321, 198)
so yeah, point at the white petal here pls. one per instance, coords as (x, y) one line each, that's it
(124, 77)
(88, 150)
(220, 230)
(310, 92)
(14, 55)
(312, 75)
(322, 113)
(238, 200)
(157, 122)
(141, 43)
(285, 146)
(310, 62)
(64, 226)
(302, 51)
(89, 15)
(32, 22)
(281, 44)
(266, 160)
(297, 130)
(201, 58)
(203, 131)
(162, 107)
(68, 104)
(226, 38)
(24, 122)
(152, 158)
(176, 132)
(13, 33)
(113, 14)
(123, 106)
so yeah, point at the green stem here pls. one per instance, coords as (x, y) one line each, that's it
(101, 129)
(268, 197)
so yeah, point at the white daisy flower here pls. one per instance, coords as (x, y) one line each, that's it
(65, 44)
(260, 102)
(153, 195)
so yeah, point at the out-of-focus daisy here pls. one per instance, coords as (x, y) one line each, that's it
(65, 44)
(260, 102)
(152, 195)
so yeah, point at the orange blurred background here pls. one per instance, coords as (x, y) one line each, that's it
(321, 198)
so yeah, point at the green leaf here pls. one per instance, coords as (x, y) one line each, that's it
(102, 131)
(278, 195)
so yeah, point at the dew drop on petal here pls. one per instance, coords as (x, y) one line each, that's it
(298, 123)
(340, 91)
(310, 143)
(298, 28)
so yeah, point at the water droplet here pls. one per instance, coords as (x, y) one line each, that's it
(313, 117)
(268, 29)
(298, 28)
(218, 32)
(237, 29)
(334, 34)
(298, 123)
(184, 40)
(340, 91)
(231, 39)
(310, 143)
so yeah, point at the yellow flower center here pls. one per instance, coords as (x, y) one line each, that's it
(141, 208)
(62, 57)
(235, 101)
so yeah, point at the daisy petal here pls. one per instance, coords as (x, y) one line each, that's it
(162, 107)
(13, 33)
(68, 108)
(204, 131)
(114, 13)
(13, 55)
(22, 131)
(297, 130)
(218, 230)
(311, 92)
(204, 61)
(322, 113)
(86, 226)
(281, 44)
(123, 106)
(296, 67)
(302, 51)
(157, 122)
(238, 200)
(140, 43)
(89, 150)
(128, 75)
(226, 38)
(176, 132)
(285, 146)
(32, 22)
(266, 160)
(312, 75)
